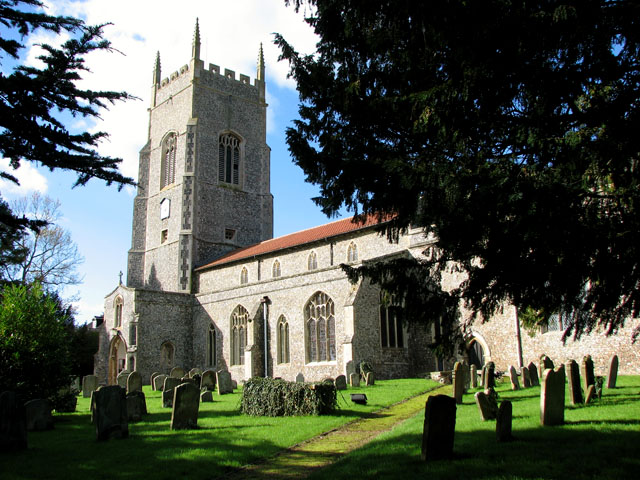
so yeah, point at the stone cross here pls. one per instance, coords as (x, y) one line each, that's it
(552, 397)
(120, 278)
(439, 427)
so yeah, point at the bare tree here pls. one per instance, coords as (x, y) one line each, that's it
(52, 257)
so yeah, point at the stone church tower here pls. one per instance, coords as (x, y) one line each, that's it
(203, 184)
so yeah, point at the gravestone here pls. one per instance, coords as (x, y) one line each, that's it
(341, 382)
(188, 379)
(526, 378)
(75, 384)
(487, 405)
(195, 371)
(206, 396)
(151, 380)
(552, 397)
(573, 377)
(588, 375)
(489, 376)
(545, 362)
(208, 380)
(439, 427)
(89, 384)
(533, 373)
(122, 377)
(513, 376)
(177, 372)
(613, 372)
(504, 420)
(591, 394)
(186, 402)
(354, 379)
(13, 422)
(136, 406)
(223, 382)
(109, 412)
(350, 368)
(467, 375)
(38, 414)
(483, 375)
(369, 379)
(197, 378)
(134, 382)
(458, 382)
(474, 376)
(170, 384)
(158, 382)
(234, 384)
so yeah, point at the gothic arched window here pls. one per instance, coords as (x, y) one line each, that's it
(283, 340)
(229, 159)
(391, 322)
(275, 271)
(117, 315)
(239, 319)
(168, 164)
(244, 276)
(312, 262)
(352, 253)
(320, 328)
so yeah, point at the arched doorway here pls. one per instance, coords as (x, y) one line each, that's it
(117, 358)
(477, 351)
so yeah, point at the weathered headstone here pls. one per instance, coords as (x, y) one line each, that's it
(552, 397)
(134, 382)
(195, 371)
(38, 414)
(341, 382)
(170, 383)
(369, 379)
(188, 379)
(467, 375)
(533, 373)
(223, 382)
(474, 376)
(483, 375)
(206, 396)
(234, 384)
(545, 362)
(489, 375)
(573, 377)
(612, 378)
(513, 376)
(588, 375)
(13, 422)
(158, 382)
(89, 384)
(526, 378)
(186, 402)
(439, 427)
(504, 421)
(354, 379)
(177, 372)
(136, 406)
(591, 394)
(122, 377)
(299, 378)
(109, 405)
(458, 382)
(151, 380)
(208, 380)
(487, 405)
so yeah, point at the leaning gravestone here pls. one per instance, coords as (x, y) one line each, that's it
(369, 379)
(170, 383)
(341, 382)
(110, 412)
(513, 375)
(153, 377)
(223, 382)
(89, 384)
(136, 406)
(206, 396)
(195, 371)
(591, 394)
(300, 378)
(439, 427)
(186, 402)
(474, 376)
(134, 382)
(545, 362)
(489, 375)
(487, 406)
(504, 420)
(38, 415)
(552, 397)
(158, 382)
(588, 375)
(208, 380)
(573, 377)
(121, 380)
(13, 422)
(526, 378)
(613, 372)
(354, 379)
(177, 372)
(533, 373)
(458, 382)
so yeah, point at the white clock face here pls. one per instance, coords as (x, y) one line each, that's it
(165, 208)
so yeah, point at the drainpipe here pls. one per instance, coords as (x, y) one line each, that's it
(265, 305)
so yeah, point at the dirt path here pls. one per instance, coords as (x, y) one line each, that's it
(300, 460)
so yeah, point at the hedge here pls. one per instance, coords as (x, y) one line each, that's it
(275, 398)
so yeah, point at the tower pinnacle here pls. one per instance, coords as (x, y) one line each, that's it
(156, 70)
(195, 50)
(260, 64)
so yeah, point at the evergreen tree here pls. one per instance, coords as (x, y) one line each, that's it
(506, 128)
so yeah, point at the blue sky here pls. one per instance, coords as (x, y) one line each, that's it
(99, 217)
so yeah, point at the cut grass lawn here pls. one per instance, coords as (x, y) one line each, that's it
(601, 440)
(224, 441)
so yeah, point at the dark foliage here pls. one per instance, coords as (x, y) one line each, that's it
(275, 398)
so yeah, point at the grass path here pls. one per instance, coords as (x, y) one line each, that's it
(301, 460)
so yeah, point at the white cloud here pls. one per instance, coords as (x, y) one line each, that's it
(30, 179)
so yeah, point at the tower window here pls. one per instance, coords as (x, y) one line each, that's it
(229, 234)
(352, 253)
(168, 164)
(164, 235)
(229, 159)
(275, 271)
(117, 320)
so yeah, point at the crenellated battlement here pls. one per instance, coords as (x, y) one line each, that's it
(175, 75)
(208, 74)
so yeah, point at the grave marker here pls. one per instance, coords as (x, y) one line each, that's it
(89, 384)
(513, 375)
(208, 380)
(504, 420)
(573, 377)
(122, 377)
(533, 373)
(369, 379)
(13, 422)
(487, 406)
(134, 382)
(526, 378)
(354, 379)
(439, 427)
(458, 382)
(151, 380)
(613, 372)
(341, 382)
(591, 394)
(38, 414)
(186, 402)
(223, 382)
(177, 372)
(588, 375)
(136, 406)
(109, 412)
(206, 396)
(474, 376)
(299, 378)
(552, 397)
(158, 382)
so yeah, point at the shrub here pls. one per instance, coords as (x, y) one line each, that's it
(274, 398)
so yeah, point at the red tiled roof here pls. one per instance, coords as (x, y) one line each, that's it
(303, 237)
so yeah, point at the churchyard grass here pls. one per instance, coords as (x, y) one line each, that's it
(600, 440)
(225, 439)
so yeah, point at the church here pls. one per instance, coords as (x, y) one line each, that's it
(208, 286)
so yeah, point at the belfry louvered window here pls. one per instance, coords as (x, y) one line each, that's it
(229, 159)
(168, 160)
